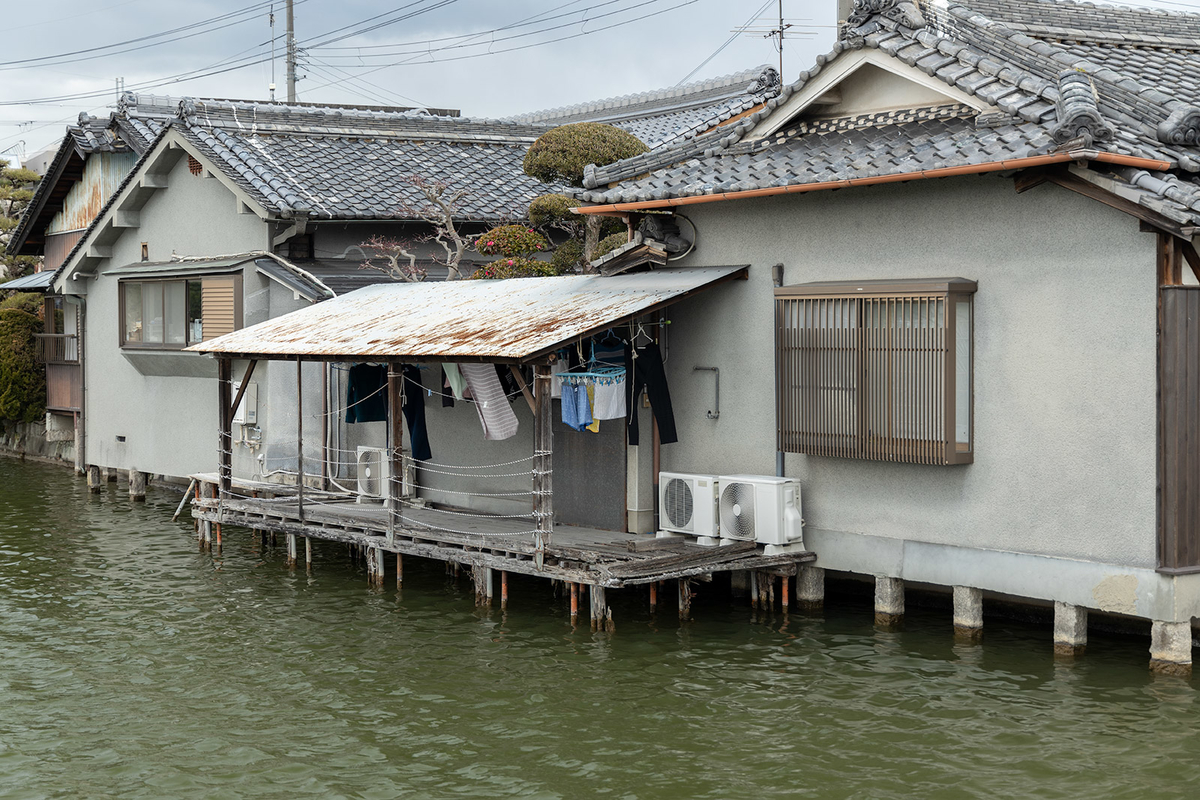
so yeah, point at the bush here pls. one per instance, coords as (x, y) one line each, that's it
(511, 241)
(560, 155)
(515, 267)
(610, 243)
(22, 378)
(28, 302)
(554, 210)
(568, 257)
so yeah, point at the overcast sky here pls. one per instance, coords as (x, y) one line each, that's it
(488, 58)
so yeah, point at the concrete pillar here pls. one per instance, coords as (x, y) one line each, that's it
(1171, 648)
(1070, 629)
(739, 582)
(889, 601)
(968, 613)
(810, 587)
(93, 479)
(110, 474)
(291, 549)
(137, 486)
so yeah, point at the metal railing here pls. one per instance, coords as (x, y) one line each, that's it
(57, 348)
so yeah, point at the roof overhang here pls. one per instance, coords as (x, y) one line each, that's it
(521, 320)
(65, 170)
(37, 282)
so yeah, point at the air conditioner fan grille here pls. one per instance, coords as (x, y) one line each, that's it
(737, 511)
(679, 504)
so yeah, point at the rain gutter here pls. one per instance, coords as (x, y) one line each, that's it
(945, 172)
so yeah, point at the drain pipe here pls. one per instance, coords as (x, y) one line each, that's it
(777, 280)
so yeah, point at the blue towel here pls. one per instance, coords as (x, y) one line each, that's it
(576, 408)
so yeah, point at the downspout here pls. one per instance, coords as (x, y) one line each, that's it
(777, 280)
(81, 429)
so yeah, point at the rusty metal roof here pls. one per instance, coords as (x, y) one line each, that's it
(509, 321)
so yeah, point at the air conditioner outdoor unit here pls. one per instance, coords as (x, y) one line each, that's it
(687, 504)
(762, 509)
(374, 471)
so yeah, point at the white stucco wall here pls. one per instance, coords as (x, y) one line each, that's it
(1064, 362)
(163, 403)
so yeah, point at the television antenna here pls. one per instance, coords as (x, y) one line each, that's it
(778, 29)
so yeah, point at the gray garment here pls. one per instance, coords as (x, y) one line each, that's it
(495, 413)
(455, 379)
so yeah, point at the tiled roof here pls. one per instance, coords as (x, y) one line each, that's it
(1041, 96)
(663, 116)
(338, 163)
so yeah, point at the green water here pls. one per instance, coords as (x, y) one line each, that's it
(133, 665)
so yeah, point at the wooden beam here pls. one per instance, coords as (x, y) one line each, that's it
(225, 423)
(300, 437)
(543, 445)
(1170, 268)
(395, 390)
(524, 389)
(1078, 185)
(237, 401)
(1027, 179)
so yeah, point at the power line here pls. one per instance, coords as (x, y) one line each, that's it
(727, 42)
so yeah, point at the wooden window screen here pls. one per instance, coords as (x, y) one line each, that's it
(221, 304)
(876, 370)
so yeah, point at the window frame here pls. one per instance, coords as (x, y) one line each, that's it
(844, 386)
(161, 280)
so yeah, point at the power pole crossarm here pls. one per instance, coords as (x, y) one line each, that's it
(291, 54)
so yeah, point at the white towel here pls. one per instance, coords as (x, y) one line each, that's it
(609, 400)
(495, 414)
(556, 370)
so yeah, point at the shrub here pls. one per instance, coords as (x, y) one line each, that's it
(515, 267)
(511, 241)
(568, 257)
(610, 243)
(554, 210)
(28, 302)
(560, 155)
(22, 378)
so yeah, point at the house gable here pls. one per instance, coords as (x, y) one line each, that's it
(861, 82)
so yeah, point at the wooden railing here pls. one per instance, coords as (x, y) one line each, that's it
(57, 348)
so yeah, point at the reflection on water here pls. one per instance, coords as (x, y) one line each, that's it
(134, 665)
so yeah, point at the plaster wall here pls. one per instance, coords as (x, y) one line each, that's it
(1064, 399)
(163, 403)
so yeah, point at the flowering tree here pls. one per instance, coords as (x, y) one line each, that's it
(438, 208)
(516, 245)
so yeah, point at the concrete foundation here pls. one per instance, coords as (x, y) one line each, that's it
(968, 613)
(810, 587)
(1070, 629)
(739, 583)
(889, 601)
(94, 480)
(111, 474)
(1171, 648)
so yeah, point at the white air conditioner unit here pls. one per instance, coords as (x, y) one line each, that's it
(688, 504)
(374, 471)
(762, 509)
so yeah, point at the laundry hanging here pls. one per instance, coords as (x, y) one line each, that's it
(495, 413)
(414, 413)
(366, 393)
(644, 369)
(576, 409)
(609, 400)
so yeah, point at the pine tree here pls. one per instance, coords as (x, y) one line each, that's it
(16, 190)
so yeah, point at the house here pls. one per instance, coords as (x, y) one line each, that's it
(968, 328)
(225, 213)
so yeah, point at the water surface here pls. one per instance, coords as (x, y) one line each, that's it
(134, 665)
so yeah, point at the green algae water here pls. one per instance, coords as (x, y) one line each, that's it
(133, 665)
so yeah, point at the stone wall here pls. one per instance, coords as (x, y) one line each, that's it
(30, 439)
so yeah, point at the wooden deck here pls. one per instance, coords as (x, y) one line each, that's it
(574, 554)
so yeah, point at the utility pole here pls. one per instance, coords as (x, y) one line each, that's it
(271, 21)
(291, 54)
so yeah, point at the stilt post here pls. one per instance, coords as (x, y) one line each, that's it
(543, 465)
(503, 590)
(399, 570)
(300, 438)
(291, 549)
(574, 602)
(599, 607)
(685, 599)
(94, 480)
(225, 425)
(308, 553)
(395, 489)
(137, 485)
(653, 597)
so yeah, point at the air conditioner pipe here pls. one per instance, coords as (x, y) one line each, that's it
(777, 280)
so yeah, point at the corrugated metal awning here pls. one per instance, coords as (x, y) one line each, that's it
(472, 320)
(37, 282)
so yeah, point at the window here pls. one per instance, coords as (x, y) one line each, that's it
(173, 313)
(879, 370)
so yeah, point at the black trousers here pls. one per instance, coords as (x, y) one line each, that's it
(414, 413)
(646, 371)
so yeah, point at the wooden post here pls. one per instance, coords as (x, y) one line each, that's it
(503, 590)
(375, 566)
(399, 570)
(291, 549)
(785, 588)
(209, 490)
(543, 465)
(653, 597)
(225, 425)
(600, 613)
(574, 602)
(685, 599)
(137, 485)
(395, 489)
(299, 439)
(93, 479)
(308, 553)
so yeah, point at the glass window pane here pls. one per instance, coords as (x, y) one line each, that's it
(133, 311)
(152, 313)
(175, 300)
(195, 317)
(962, 372)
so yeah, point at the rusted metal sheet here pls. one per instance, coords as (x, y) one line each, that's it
(58, 246)
(102, 175)
(474, 319)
